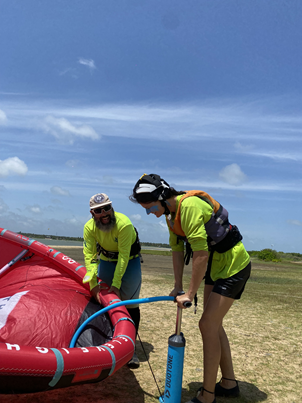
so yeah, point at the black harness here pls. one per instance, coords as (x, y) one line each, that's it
(231, 238)
(135, 249)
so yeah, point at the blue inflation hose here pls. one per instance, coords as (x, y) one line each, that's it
(108, 308)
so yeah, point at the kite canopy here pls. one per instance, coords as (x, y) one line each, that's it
(42, 303)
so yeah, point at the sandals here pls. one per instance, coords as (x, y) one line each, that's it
(223, 392)
(195, 400)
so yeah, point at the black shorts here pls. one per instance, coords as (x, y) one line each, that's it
(231, 287)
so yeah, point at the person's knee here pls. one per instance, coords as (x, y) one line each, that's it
(207, 326)
(203, 325)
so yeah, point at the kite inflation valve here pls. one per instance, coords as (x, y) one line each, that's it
(175, 361)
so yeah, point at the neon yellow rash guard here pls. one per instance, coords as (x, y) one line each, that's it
(119, 239)
(194, 214)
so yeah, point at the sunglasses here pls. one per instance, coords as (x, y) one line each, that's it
(99, 210)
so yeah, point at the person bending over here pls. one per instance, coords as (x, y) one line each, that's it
(196, 219)
(111, 252)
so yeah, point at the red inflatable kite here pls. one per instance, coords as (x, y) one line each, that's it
(42, 303)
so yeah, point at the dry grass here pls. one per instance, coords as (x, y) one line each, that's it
(264, 329)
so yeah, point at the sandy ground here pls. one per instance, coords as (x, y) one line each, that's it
(266, 350)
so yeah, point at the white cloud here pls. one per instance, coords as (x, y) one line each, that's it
(16, 222)
(279, 156)
(87, 62)
(135, 217)
(74, 221)
(3, 117)
(12, 166)
(34, 209)
(65, 131)
(163, 226)
(242, 123)
(57, 190)
(152, 230)
(295, 222)
(233, 175)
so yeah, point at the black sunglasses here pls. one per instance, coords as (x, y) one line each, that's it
(106, 208)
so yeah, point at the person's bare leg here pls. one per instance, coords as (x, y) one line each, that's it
(216, 307)
(226, 363)
(206, 294)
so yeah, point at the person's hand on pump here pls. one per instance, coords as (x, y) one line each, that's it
(176, 291)
(183, 301)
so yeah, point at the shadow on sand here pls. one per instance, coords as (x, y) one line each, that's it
(122, 387)
(143, 350)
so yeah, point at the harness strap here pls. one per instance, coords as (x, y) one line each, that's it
(195, 303)
(135, 249)
(188, 254)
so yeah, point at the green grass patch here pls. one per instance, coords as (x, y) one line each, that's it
(264, 329)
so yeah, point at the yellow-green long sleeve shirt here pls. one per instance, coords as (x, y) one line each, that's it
(119, 239)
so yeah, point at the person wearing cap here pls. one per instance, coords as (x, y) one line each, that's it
(111, 252)
(196, 219)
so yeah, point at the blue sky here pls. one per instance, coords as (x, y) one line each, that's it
(205, 93)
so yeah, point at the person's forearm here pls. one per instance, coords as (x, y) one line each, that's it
(178, 267)
(120, 268)
(199, 267)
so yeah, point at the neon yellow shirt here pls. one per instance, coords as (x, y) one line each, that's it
(119, 239)
(194, 214)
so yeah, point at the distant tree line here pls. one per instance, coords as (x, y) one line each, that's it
(80, 239)
(270, 255)
(267, 255)
(56, 237)
(157, 245)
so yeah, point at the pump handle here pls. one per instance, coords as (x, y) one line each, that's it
(186, 304)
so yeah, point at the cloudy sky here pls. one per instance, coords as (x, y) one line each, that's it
(207, 94)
